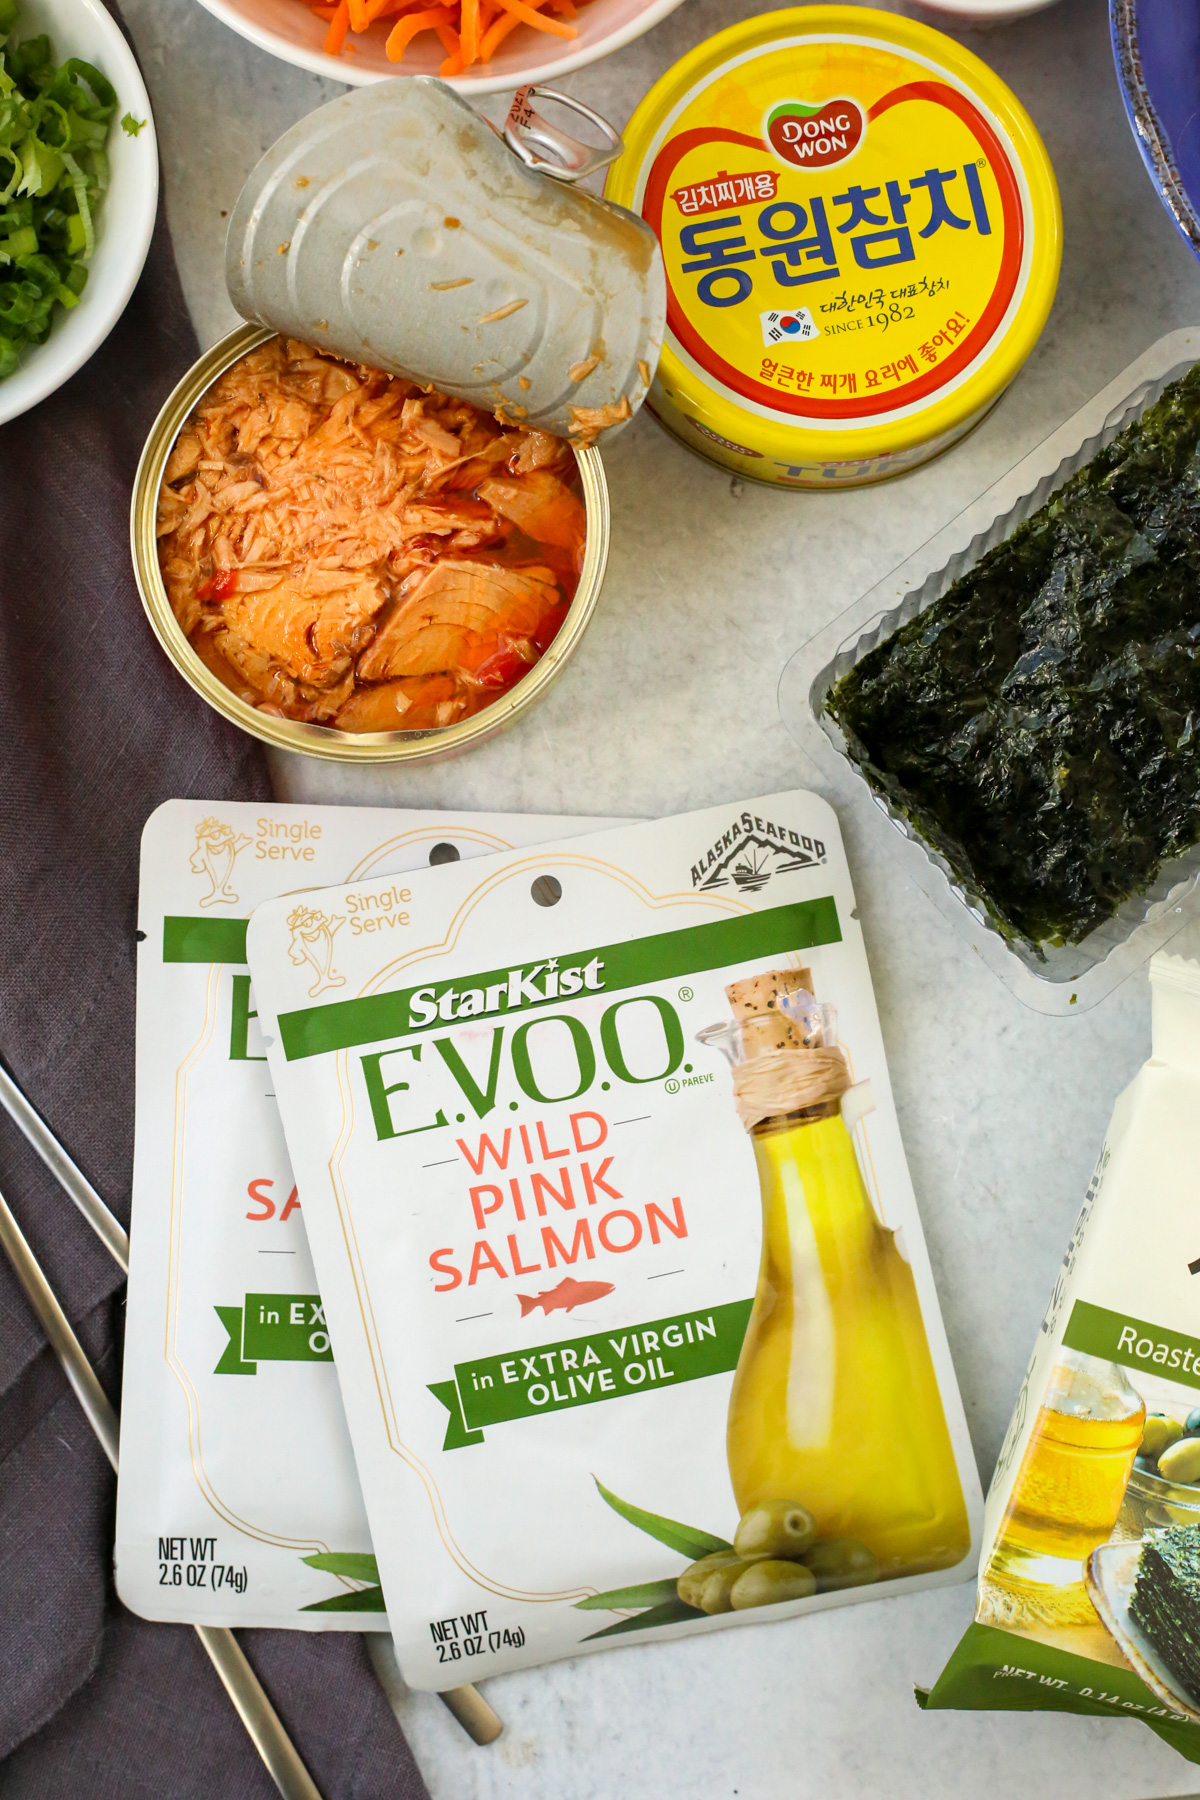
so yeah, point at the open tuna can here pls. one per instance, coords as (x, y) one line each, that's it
(372, 524)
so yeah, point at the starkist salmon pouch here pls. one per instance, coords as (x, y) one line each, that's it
(629, 1303)
(238, 1502)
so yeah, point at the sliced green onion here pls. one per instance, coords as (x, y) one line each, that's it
(43, 167)
(21, 243)
(54, 124)
(79, 184)
(103, 89)
(18, 174)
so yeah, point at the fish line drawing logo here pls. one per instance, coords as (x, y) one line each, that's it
(217, 849)
(751, 851)
(312, 943)
(815, 137)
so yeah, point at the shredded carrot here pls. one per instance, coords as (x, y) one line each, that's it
(403, 33)
(496, 33)
(529, 16)
(470, 31)
(338, 27)
(487, 13)
(452, 45)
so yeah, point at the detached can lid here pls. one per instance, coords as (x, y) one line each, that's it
(861, 232)
(395, 227)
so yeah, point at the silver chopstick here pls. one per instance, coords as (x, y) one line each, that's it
(241, 1683)
(73, 1182)
(101, 1414)
(480, 1722)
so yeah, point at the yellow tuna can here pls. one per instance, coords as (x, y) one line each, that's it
(862, 237)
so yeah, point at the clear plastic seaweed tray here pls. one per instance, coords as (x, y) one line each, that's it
(1051, 978)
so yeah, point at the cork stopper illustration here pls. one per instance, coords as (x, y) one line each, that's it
(772, 999)
(782, 1045)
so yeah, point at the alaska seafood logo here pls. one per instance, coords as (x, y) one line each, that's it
(815, 137)
(217, 849)
(312, 943)
(751, 851)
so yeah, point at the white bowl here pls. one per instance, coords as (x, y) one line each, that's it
(125, 217)
(977, 14)
(288, 29)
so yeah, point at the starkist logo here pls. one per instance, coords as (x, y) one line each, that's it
(519, 988)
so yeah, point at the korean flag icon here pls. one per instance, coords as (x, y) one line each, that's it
(788, 327)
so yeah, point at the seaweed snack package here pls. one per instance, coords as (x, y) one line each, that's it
(633, 1318)
(238, 1501)
(1089, 1588)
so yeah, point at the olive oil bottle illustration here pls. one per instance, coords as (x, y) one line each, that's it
(835, 1403)
(1068, 1491)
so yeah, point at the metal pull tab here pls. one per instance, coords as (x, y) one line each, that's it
(528, 135)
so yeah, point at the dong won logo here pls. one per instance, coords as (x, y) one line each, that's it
(815, 137)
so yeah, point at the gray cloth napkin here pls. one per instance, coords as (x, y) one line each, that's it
(97, 730)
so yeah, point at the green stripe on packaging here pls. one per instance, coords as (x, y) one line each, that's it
(636, 962)
(997, 1671)
(605, 1365)
(1117, 1337)
(273, 1328)
(285, 1328)
(187, 940)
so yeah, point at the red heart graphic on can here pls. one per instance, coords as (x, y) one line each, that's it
(814, 137)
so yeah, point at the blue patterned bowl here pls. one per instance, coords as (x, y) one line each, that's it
(1156, 44)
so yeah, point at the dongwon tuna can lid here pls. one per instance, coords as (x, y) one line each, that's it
(861, 232)
(395, 227)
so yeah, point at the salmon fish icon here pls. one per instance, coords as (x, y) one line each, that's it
(565, 1297)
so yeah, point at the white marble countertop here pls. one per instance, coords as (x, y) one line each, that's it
(670, 704)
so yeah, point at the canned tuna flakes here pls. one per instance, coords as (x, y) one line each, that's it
(319, 739)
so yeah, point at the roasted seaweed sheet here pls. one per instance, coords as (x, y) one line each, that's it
(1166, 1602)
(1038, 724)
